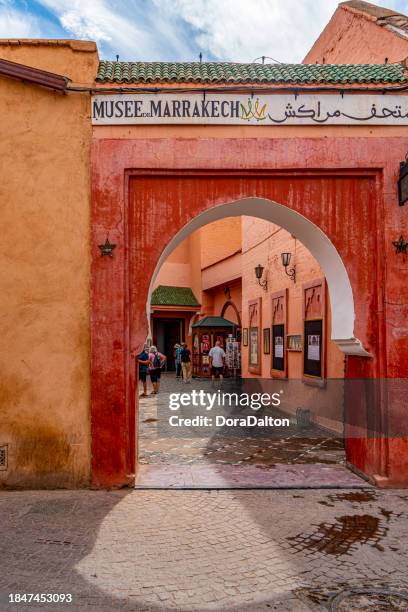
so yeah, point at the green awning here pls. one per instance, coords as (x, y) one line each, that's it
(214, 322)
(165, 295)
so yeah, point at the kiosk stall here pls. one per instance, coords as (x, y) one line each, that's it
(205, 334)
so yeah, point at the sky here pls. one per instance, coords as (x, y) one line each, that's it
(178, 30)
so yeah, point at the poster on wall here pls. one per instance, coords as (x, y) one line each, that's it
(278, 347)
(312, 354)
(313, 347)
(205, 343)
(253, 346)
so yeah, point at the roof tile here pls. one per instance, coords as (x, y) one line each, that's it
(220, 72)
(165, 295)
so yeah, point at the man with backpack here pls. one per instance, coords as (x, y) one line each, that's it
(156, 363)
(143, 362)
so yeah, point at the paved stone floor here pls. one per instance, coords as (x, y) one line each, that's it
(296, 446)
(279, 476)
(207, 550)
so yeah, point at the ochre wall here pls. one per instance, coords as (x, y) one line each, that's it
(45, 272)
(352, 36)
(182, 268)
(75, 59)
(219, 240)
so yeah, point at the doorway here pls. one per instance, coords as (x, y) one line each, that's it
(151, 209)
(167, 333)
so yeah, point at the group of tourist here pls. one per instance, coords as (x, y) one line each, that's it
(151, 363)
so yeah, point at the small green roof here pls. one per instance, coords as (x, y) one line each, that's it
(226, 72)
(165, 295)
(214, 322)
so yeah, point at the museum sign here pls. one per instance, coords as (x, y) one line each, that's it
(244, 109)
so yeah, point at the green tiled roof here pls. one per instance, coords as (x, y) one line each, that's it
(214, 322)
(219, 72)
(165, 295)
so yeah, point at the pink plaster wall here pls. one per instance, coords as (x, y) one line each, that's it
(353, 36)
(219, 299)
(219, 240)
(182, 268)
(263, 243)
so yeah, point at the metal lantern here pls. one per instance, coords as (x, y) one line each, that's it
(286, 257)
(259, 271)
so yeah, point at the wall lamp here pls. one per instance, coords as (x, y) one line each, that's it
(258, 273)
(286, 257)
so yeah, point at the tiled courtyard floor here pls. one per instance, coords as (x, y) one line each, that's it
(296, 446)
(207, 550)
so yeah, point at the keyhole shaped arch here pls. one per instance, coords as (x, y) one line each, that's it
(231, 304)
(313, 238)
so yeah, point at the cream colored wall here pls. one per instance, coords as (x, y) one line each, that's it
(45, 271)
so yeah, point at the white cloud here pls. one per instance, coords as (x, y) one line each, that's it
(127, 28)
(176, 30)
(17, 24)
(241, 30)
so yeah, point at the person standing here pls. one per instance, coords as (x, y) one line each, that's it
(217, 362)
(143, 362)
(156, 364)
(185, 358)
(177, 354)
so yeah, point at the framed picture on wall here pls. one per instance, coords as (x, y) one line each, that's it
(245, 336)
(267, 341)
(253, 346)
(295, 343)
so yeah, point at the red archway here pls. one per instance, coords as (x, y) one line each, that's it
(145, 191)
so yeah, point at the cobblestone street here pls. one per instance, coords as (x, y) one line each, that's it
(295, 446)
(207, 550)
